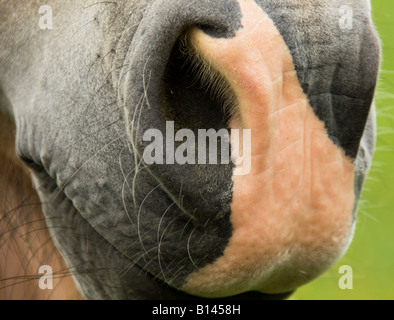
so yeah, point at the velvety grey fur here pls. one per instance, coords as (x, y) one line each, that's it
(83, 93)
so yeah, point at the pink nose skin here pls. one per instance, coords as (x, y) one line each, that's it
(292, 214)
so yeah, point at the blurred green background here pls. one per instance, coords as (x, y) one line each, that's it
(371, 254)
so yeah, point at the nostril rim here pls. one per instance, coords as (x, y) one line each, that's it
(216, 31)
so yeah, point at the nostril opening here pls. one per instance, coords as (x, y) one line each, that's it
(194, 95)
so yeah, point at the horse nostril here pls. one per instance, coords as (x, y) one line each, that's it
(188, 73)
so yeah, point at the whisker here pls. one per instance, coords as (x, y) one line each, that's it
(160, 239)
(100, 2)
(188, 248)
(139, 217)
